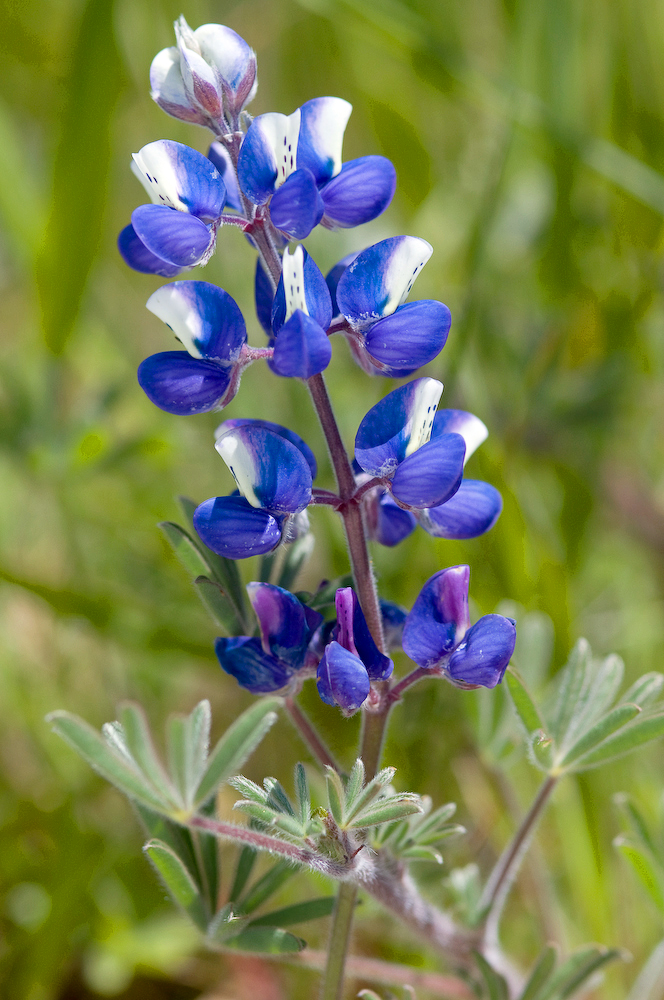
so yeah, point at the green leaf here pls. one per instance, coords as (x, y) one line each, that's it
(237, 743)
(575, 970)
(270, 883)
(218, 604)
(335, 794)
(264, 814)
(388, 810)
(186, 549)
(495, 983)
(354, 783)
(297, 554)
(312, 909)
(648, 873)
(139, 743)
(178, 881)
(276, 796)
(225, 924)
(245, 864)
(638, 823)
(540, 749)
(612, 721)
(573, 689)
(302, 794)
(632, 735)
(266, 941)
(371, 791)
(541, 974)
(22, 204)
(106, 761)
(421, 853)
(645, 690)
(80, 172)
(523, 703)
(249, 789)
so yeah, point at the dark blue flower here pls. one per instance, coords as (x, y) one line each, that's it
(351, 660)
(293, 164)
(178, 230)
(209, 76)
(300, 315)
(274, 470)
(283, 650)
(393, 445)
(437, 634)
(209, 324)
(387, 335)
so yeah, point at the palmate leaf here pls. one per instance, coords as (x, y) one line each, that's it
(526, 710)
(178, 880)
(298, 913)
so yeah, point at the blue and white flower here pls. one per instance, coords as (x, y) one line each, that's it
(438, 636)
(292, 163)
(300, 315)
(209, 325)
(386, 334)
(208, 78)
(178, 230)
(283, 653)
(274, 471)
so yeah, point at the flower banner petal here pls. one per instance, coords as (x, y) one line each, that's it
(180, 384)
(286, 630)
(321, 137)
(269, 471)
(439, 618)
(176, 176)
(234, 60)
(396, 426)
(354, 635)
(284, 432)
(301, 286)
(470, 427)
(168, 89)
(205, 318)
(380, 278)
(268, 154)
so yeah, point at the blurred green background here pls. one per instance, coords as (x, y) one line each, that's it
(528, 136)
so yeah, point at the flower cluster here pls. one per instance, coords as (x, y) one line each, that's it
(275, 178)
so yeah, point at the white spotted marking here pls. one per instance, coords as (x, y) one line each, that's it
(427, 395)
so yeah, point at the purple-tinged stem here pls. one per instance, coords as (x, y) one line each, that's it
(310, 736)
(415, 675)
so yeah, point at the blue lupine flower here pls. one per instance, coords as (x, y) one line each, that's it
(370, 288)
(209, 324)
(392, 444)
(437, 634)
(351, 660)
(300, 315)
(471, 511)
(283, 651)
(293, 164)
(209, 76)
(179, 229)
(274, 471)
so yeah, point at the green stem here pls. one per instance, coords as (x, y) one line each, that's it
(342, 919)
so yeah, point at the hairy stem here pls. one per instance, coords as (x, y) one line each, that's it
(310, 735)
(507, 867)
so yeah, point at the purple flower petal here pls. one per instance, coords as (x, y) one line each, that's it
(470, 427)
(269, 471)
(485, 652)
(411, 337)
(342, 678)
(359, 193)
(231, 527)
(203, 317)
(432, 474)
(296, 207)
(284, 432)
(379, 279)
(389, 524)
(396, 426)
(220, 157)
(473, 509)
(354, 635)
(264, 297)
(302, 348)
(286, 628)
(176, 237)
(439, 618)
(168, 89)
(257, 671)
(176, 176)
(321, 137)
(268, 154)
(301, 286)
(183, 385)
(137, 255)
